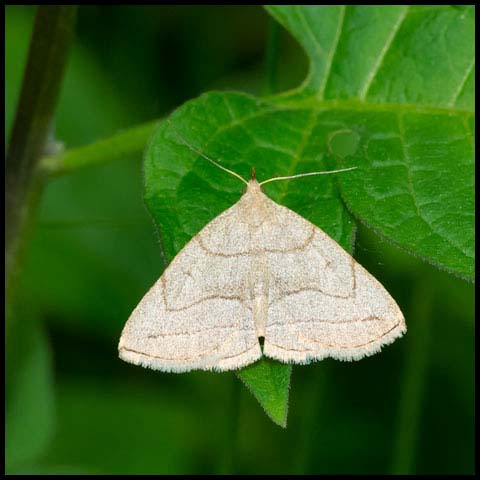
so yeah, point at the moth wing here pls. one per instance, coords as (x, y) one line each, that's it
(196, 315)
(324, 304)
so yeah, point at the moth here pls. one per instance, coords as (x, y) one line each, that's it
(259, 271)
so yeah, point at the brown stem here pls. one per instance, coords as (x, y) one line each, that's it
(47, 57)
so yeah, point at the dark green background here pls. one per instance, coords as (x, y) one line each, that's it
(74, 407)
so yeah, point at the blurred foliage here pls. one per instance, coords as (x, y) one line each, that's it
(94, 253)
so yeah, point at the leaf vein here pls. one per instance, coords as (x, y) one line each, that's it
(300, 14)
(331, 55)
(462, 83)
(301, 147)
(373, 73)
(413, 193)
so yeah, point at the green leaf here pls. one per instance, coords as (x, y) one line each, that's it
(269, 382)
(30, 412)
(390, 90)
(184, 192)
(415, 184)
(402, 79)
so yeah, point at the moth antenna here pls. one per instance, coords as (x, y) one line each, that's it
(198, 152)
(307, 175)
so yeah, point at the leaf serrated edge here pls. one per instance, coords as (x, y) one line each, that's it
(385, 237)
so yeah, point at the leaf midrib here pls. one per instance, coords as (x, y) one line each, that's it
(359, 106)
(272, 104)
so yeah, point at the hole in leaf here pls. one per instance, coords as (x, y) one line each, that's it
(343, 143)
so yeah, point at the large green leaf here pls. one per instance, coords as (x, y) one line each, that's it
(390, 90)
(402, 79)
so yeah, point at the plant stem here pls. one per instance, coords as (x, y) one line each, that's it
(271, 58)
(117, 146)
(47, 57)
(414, 377)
